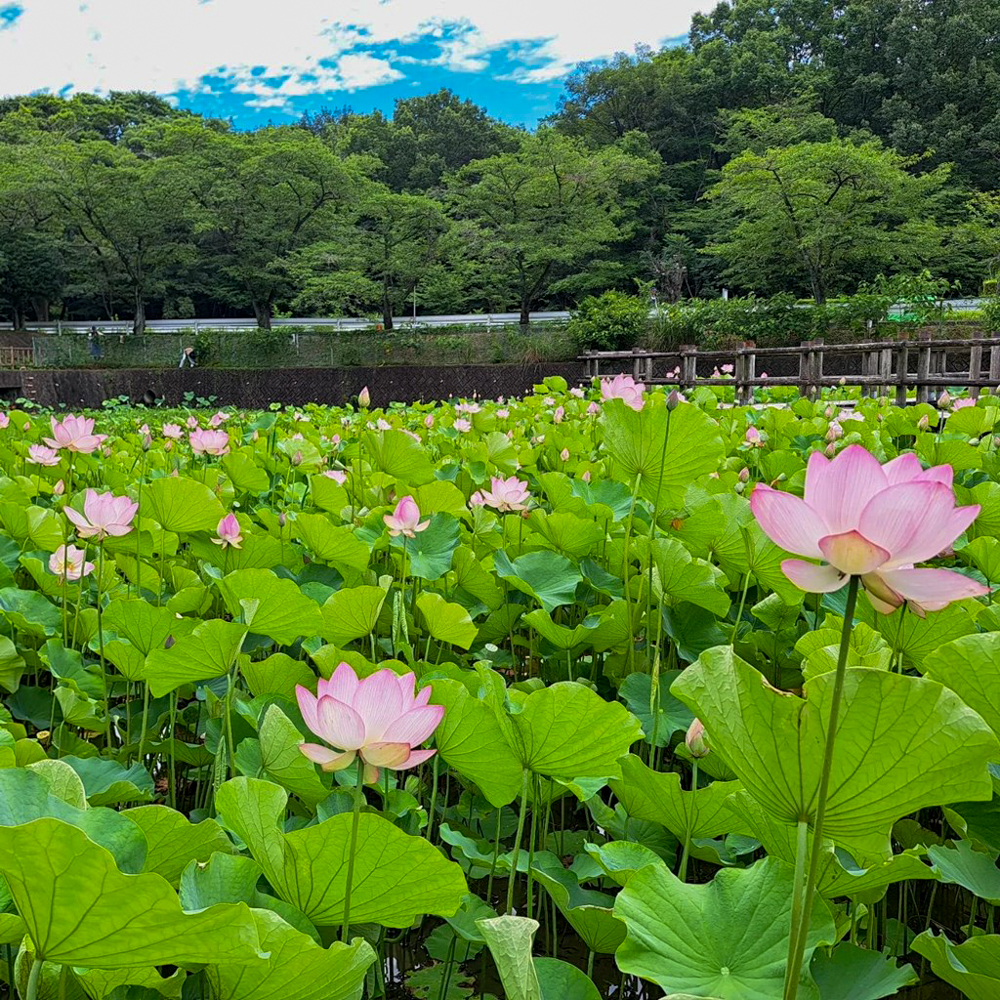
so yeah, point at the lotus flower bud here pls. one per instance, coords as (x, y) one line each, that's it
(923, 423)
(297, 458)
(282, 520)
(147, 442)
(674, 399)
(830, 412)
(168, 445)
(974, 442)
(695, 740)
(944, 400)
(364, 398)
(744, 475)
(830, 450)
(564, 454)
(59, 489)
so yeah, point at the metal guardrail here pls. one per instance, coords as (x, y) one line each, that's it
(334, 323)
(337, 323)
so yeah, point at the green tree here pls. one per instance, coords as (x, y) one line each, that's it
(540, 214)
(259, 197)
(824, 214)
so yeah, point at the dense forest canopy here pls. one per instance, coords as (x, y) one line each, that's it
(802, 146)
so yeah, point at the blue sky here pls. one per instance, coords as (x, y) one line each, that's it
(257, 62)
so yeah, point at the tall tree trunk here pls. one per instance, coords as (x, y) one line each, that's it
(262, 310)
(18, 317)
(386, 311)
(139, 320)
(525, 313)
(41, 307)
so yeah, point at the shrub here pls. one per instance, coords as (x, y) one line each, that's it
(612, 321)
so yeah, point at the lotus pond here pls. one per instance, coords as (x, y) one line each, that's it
(597, 693)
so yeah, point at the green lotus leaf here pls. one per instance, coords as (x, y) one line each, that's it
(509, 940)
(210, 650)
(970, 666)
(635, 441)
(295, 966)
(681, 577)
(399, 456)
(351, 613)
(918, 637)
(973, 967)
(277, 675)
(853, 973)
(471, 577)
(99, 984)
(671, 715)
(337, 545)
(46, 790)
(820, 648)
(242, 468)
(658, 796)
(547, 576)
(903, 743)
(12, 665)
(964, 866)
(447, 622)
(283, 762)
(429, 555)
(567, 533)
(146, 626)
(588, 912)
(568, 731)
(558, 980)
(173, 840)
(270, 605)
(397, 877)
(109, 783)
(726, 939)
(470, 739)
(79, 909)
(29, 612)
(182, 505)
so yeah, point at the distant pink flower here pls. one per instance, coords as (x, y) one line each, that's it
(763, 375)
(625, 388)
(172, 431)
(593, 410)
(192, 423)
(549, 401)
(59, 489)
(476, 500)
(557, 414)
(467, 408)
(577, 392)
(377, 719)
(462, 425)
(834, 432)
(103, 514)
(874, 522)
(429, 420)
(961, 404)
(75, 434)
(4, 421)
(727, 369)
(564, 454)
(337, 475)
(38, 454)
(754, 437)
(509, 494)
(503, 414)
(383, 425)
(586, 476)
(228, 532)
(405, 519)
(209, 442)
(70, 562)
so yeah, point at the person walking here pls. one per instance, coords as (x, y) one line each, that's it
(94, 340)
(187, 358)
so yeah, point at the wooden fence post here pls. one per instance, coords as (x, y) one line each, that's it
(923, 366)
(649, 369)
(636, 364)
(995, 368)
(689, 366)
(902, 371)
(805, 361)
(975, 368)
(816, 369)
(885, 371)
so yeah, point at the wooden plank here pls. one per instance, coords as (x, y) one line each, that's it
(975, 369)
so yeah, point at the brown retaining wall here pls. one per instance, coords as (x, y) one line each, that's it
(250, 388)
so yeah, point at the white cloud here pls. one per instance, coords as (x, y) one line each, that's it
(274, 52)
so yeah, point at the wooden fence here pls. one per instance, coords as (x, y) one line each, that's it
(16, 357)
(881, 368)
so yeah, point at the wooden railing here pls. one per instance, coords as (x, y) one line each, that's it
(879, 367)
(16, 357)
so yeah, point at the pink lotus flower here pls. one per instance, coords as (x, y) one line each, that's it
(173, 431)
(4, 421)
(218, 419)
(874, 522)
(209, 442)
(593, 410)
(462, 425)
(228, 532)
(727, 369)
(38, 454)
(577, 392)
(103, 514)
(557, 414)
(75, 434)
(476, 500)
(625, 388)
(377, 718)
(503, 414)
(405, 519)
(337, 475)
(961, 404)
(754, 437)
(70, 562)
(506, 494)
(763, 375)
(192, 423)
